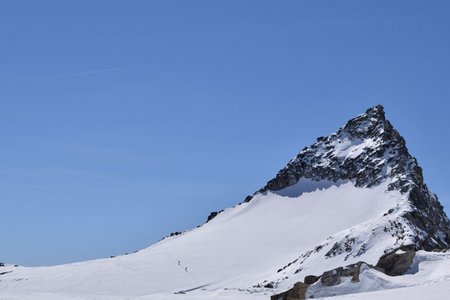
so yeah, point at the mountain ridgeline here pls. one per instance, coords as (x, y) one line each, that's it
(349, 214)
(368, 151)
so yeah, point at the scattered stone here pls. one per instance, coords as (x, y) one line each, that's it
(212, 215)
(248, 198)
(269, 285)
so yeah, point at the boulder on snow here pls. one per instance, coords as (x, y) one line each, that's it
(297, 292)
(334, 276)
(311, 279)
(212, 215)
(397, 262)
(394, 263)
(328, 278)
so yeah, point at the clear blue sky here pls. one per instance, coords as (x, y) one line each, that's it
(123, 121)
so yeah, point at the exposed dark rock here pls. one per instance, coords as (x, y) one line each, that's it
(379, 156)
(392, 264)
(353, 271)
(269, 285)
(295, 293)
(384, 158)
(248, 198)
(341, 247)
(430, 218)
(328, 278)
(397, 262)
(172, 234)
(332, 277)
(310, 279)
(212, 215)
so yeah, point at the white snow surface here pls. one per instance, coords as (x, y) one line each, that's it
(229, 256)
(351, 147)
(428, 278)
(263, 247)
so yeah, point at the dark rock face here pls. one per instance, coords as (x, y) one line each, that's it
(296, 293)
(429, 217)
(322, 160)
(211, 216)
(369, 151)
(393, 264)
(328, 278)
(172, 234)
(396, 263)
(334, 276)
(311, 279)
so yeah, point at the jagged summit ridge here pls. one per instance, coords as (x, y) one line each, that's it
(366, 150)
(369, 151)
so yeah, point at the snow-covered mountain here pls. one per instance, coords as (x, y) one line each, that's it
(353, 196)
(369, 152)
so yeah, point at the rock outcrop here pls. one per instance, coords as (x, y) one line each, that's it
(298, 292)
(369, 151)
(395, 263)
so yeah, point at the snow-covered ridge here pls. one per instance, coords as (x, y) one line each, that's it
(368, 151)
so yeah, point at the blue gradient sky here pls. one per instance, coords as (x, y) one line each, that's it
(123, 121)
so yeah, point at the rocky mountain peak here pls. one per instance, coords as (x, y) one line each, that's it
(370, 123)
(366, 150)
(369, 151)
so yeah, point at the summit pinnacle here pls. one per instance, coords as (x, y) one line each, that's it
(369, 151)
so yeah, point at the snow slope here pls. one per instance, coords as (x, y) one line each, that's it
(241, 247)
(428, 278)
(351, 196)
